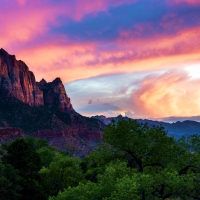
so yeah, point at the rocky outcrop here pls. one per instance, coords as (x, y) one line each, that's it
(70, 140)
(9, 134)
(17, 81)
(55, 94)
(32, 106)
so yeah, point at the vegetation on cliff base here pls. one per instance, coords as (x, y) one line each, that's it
(14, 113)
(134, 162)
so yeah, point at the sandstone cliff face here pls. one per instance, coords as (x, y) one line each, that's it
(17, 81)
(67, 130)
(55, 94)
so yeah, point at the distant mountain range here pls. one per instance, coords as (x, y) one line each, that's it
(176, 129)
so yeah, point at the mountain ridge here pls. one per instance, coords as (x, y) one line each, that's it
(175, 129)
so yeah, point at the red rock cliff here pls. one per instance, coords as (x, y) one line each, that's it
(16, 80)
(9, 134)
(55, 94)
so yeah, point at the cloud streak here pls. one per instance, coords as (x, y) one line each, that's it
(157, 95)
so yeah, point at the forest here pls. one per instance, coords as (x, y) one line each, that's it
(133, 161)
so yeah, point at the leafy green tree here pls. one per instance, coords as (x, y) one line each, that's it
(95, 163)
(104, 187)
(35, 143)
(87, 191)
(63, 172)
(22, 157)
(156, 167)
(146, 146)
(26, 160)
(47, 155)
(10, 181)
(160, 157)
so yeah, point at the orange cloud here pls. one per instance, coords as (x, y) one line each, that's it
(171, 94)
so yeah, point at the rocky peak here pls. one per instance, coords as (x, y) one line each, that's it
(57, 80)
(55, 94)
(42, 84)
(3, 52)
(17, 81)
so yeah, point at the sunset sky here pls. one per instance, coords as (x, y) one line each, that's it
(139, 58)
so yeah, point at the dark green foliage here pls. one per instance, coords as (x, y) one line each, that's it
(10, 182)
(22, 157)
(31, 119)
(135, 162)
(145, 146)
(62, 172)
(45, 152)
(95, 163)
(139, 163)
(25, 159)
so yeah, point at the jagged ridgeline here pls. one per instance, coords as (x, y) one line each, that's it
(17, 81)
(38, 106)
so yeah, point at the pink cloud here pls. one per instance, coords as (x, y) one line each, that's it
(72, 60)
(24, 26)
(27, 19)
(85, 7)
(22, 2)
(25, 23)
(183, 1)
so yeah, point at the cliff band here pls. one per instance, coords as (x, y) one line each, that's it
(17, 81)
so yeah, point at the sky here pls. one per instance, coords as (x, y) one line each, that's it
(138, 58)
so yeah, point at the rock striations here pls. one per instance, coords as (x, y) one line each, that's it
(17, 81)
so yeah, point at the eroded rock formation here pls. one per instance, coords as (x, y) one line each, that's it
(55, 95)
(17, 81)
(63, 127)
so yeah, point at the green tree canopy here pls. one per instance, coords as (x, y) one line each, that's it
(26, 160)
(146, 146)
(63, 171)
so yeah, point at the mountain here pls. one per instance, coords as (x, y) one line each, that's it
(41, 109)
(176, 129)
(17, 81)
